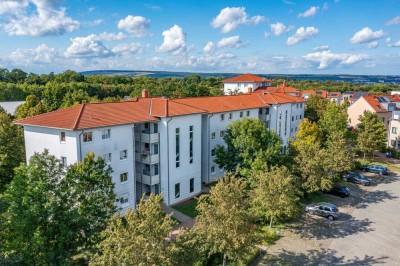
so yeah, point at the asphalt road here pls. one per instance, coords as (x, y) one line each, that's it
(379, 241)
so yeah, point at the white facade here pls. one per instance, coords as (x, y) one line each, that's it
(243, 87)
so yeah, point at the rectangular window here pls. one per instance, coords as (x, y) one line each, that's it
(146, 126)
(212, 169)
(300, 117)
(241, 114)
(62, 137)
(247, 113)
(222, 134)
(177, 157)
(393, 143)
(64, 161)
(155, 148)
(383, 119)
(212, 135)
(191, 185)
(124, 199)
(123, 177)
(292, 118)
(123, 154)
(394, 130)
(213, 152)
(240, 85)
(107, 157)
(230, 115)
(87, 136)
(177, 190)
(191, 144)
(260, 111)
(301, 105)
(222, 117)
(267, 111)
(156, 169)
(155, 128)
(267, 124)
(105, 133)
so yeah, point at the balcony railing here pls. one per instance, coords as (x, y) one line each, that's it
(146, 157)
(147, 178)
(147, 137)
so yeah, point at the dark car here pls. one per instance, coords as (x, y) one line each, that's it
(356, 178)
(324, 209)
(377, 169)
(339, 191)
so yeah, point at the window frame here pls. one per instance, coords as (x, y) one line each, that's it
(177, 190)
(191, 185)
(63, 137)
(106, 136)
(121, 179)
(123, 152)
(85, 136)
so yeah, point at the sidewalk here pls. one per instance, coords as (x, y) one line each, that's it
(185, 221)
(381, 157)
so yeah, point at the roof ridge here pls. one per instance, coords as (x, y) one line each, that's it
(79, 117)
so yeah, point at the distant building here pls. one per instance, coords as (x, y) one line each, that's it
(244, 83)
(357, 95)
(10, 107)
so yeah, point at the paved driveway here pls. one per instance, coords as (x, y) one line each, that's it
(380, 242)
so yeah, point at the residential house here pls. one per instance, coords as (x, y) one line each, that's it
(244, 83)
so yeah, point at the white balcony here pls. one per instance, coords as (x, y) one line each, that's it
(148, 179)
(147, 158)
(147, 137)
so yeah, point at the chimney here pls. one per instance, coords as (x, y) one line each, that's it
(145, 94)
(249, 90)
(284, 84)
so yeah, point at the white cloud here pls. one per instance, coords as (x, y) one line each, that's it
(393, 21)
(137, 26)
(174, 41)
(232, 17)
(321, 48)
(388, 39)
(302, 34)
(279, 28)
(209, 47)
(397, 44)
(366, 35)
(327, 59)
(106, 36)
(93, 23)
(373, 45)
(309, 13)
(233, 42)
(46, 19)
(39, 55)
(128, 48)
(87, 47)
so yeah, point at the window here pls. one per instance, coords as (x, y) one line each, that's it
(297, 117)
(155, 128)
(177, 157)
(222, 117)
(260, 111)
(247, 113)
(62, 137)
(123, 177)
(292, 118)
(146, 126)
(267, 124)
(240, 85)
(212, 169)
(267, 111)
(230, 115)
(394, 130)
(156, 169)
(245, 85)
(280, 115)
(212, 135)
(155, 148)
(64, 161)
(107, 157)
(241, 114)
(124, 199)
(301, 105)
(300, 117)
(222, 134)
(87, 136)
(191, 144)
(105, 133)
(177, 190)
(191, 185)
(393, 143)
(123, 154)
(213, 152)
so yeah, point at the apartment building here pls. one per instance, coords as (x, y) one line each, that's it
(157, 145)
(244, 83)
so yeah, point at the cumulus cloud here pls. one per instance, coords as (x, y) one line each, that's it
(309, 13)
(232, 42)
(366, 35)
(137, 26)
(397, 44)
(46, 19)
(327, 59)
(89, 46)
(279, 28)
(106, 36)
(174, 41)
(39, 55)
(232, 17)
(128, 48)
(372, 45)
(301, 35)
(321, 48)
(393, 21)
(209, 47)
(93, 23)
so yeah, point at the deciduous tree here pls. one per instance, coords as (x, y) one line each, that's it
(32, 106)
(315, 108)
(371, 135)
(333, 119)
(308, 134)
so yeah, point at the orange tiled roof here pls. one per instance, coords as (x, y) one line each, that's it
(320, 93)
(334, 94)
(375, 104)
(246, 78)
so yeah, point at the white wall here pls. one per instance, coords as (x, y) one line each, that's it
(170, 174)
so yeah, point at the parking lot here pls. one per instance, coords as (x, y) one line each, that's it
(367, 233)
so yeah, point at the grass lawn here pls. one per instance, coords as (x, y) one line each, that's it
(187, 207)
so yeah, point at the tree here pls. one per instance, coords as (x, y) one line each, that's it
(308, 134)
(139, 238)
(245, 139)
(224, 222)
(315, 108)
(333, 119)
(32, 106)
(12, 151)
(371, 133)
(50, 215)
(276, 195)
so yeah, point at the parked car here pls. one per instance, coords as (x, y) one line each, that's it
(339, 191)
(378, 169)
(324, 209)
(356, 178)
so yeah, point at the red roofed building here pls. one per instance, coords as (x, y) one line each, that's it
(244, 83)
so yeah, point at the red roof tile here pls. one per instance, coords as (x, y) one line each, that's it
(372, 100)
(246, 78)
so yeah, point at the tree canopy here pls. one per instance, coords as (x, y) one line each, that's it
(371, 135)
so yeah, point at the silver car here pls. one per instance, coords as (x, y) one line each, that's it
(324, 209)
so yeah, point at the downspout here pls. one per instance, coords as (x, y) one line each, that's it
(134, 163)
(208, 148)
(168, 159)
(80, 146)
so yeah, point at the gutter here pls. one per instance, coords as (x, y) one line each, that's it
(80, 146)
(168, 159)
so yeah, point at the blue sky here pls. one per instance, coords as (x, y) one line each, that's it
(268, 37)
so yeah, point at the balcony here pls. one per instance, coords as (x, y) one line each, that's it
(147, 137)
(146, 157)
(147, 179)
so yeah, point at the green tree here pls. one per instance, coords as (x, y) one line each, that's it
(371, 135)
(276, 195)
(224, 222)
(333, 119)
(315, 108)
(308, 133)
(245, 140)
(50, 215)
(32, 106)
(139, 238)
(12, 150)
